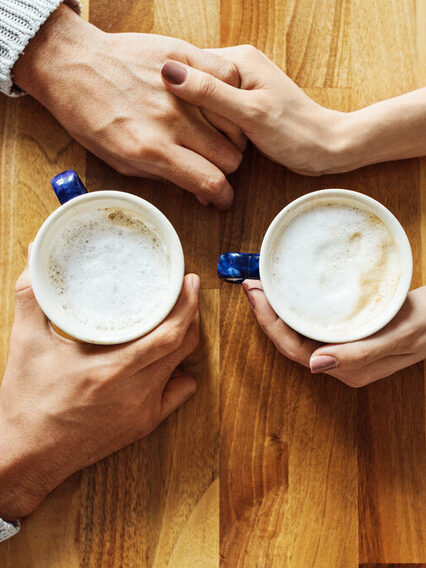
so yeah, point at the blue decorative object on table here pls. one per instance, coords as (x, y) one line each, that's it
(235, 267)
(67, 185)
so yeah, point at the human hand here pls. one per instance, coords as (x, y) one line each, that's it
(280, 119)
(64, 405)
(290, 128)
(400, 344)
(106, 90)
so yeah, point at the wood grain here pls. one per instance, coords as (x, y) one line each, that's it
(267, 466)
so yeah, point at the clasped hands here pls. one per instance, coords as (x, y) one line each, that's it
(187, 124)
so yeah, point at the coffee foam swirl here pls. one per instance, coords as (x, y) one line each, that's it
(335, 266)
(109, 269)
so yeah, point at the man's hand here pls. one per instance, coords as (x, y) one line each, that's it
(106, 90)
(400, 344)
(65, 405)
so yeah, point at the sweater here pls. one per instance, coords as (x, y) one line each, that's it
(20, 20)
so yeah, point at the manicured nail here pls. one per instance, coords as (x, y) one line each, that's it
(250, 297)
(321, 363)
(174, 72)
(196, 282)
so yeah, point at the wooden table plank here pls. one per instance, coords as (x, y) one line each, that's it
(311, 474)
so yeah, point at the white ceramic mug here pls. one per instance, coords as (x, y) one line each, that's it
(236, 267)
(75, 201)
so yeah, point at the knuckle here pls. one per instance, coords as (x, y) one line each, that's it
(234, 161)
(206, 86)
(123, 169)
(149, 151)
(213, 184)
(354, 380)
(172, 338)
(357, 358)
(230, 73)
(256, 109)
(249, 50)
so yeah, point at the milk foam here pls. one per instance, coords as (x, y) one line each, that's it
(336, 267)
(109, 269)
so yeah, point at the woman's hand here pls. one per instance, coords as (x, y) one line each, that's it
(64, 405)
(400, 344)
(106, 90)
(278, 117)
(293, 130)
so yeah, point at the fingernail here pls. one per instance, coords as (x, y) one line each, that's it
(174, 72)
(321, 363)
(250, 297)
(196, 282)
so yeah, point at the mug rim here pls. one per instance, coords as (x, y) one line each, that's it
(382, 319)
(170, 235)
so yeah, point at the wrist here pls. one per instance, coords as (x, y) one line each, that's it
(25, 479)
(62, 40)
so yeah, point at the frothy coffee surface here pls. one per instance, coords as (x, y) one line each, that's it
(336, 267)
(109, 269)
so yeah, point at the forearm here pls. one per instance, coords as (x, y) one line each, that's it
(393, 129)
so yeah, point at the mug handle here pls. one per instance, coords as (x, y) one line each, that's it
(235, 267)
(67, 185)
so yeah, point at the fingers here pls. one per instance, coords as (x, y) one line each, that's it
(215, 65)
(286, 340)
(168, 336)
(232, 131)
(206, 141)
(178, 390)
(205, 91)
(359, 354)
(197, 175)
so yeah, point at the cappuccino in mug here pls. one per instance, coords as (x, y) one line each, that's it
(106, 267)
(109, 268)
(335, 266)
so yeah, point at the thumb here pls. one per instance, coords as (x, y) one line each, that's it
(348, 356)
(26, 305)
(205, 91)
(178, 390)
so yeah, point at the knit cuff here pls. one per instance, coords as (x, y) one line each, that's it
(7, 530)
(20, 20)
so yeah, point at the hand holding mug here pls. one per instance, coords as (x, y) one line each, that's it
(335, 267)
(400, 344)
(64, 405)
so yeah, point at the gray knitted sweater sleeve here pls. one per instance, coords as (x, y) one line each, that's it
(20, 20)
(8, 529)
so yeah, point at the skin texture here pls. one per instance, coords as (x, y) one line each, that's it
(58, 395)
(110, 97)
(400, 344)
(291, 129)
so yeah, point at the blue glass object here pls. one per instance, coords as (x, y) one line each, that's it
(67, 185)
(235, 267)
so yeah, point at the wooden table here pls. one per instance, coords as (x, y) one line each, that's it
(267, 466)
